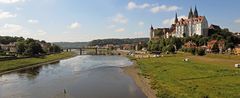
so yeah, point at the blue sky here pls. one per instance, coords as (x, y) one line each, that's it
(85, 20)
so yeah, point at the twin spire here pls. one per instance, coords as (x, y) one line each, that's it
(191, 14)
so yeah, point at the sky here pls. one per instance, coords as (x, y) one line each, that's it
(85, 20)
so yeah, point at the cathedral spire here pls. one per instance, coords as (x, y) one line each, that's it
(151, 27)
(195, 12)
(176, 19)
(190, 15)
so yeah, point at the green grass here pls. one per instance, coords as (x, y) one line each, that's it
(19, 63)
(200, 77)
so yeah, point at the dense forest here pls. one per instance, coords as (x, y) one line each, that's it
(102, 42)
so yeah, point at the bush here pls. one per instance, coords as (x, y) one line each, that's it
(192, 51)
(201, 52)
(215, 48)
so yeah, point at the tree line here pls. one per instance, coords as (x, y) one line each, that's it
(172, 44)
(102, 42)
(29, 46)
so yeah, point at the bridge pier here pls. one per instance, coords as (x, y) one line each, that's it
(96, 51)
(80, 51)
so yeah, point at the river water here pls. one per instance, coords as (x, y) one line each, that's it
(78, 77)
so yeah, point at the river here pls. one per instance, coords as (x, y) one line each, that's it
(77, 77)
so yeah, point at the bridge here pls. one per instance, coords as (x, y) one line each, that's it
(81, 50)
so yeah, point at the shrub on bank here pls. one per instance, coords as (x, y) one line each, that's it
(201, 52)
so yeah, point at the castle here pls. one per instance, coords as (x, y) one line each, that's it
(193, 25)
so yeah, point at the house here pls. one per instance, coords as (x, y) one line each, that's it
(159, 33)
(237, 34)
(214, 27)
(109, 46)
(220, 43)
(128, 47)
(190, 44)
(237, 50)
(11, 47)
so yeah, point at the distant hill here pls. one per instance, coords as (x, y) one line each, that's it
(102, 42)
(65, 45)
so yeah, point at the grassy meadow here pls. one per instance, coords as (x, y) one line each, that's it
(19, 63)
(210, 76)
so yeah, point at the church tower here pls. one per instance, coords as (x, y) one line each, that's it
(151, 32)
(176, 19)
(195, 12)
(190, 15)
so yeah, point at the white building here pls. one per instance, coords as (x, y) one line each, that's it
(194, 25)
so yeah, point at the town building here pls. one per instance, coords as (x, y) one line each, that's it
(237, 50)
(159, 33)
(214, 27)
(220, 43)
(11, 47)
(193, 25)
(190, 44)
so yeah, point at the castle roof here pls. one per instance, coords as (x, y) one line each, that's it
(193, 20)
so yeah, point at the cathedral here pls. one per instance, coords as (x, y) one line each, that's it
(193, 25)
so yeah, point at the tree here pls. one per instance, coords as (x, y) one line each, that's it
(193, 51)
(215, 48)
(155, 47)
(21, 47)
(55, 49)
(201, 52)
(203, 41)
(149, 45)
(170, 48)
(229, 45)
(34, 49)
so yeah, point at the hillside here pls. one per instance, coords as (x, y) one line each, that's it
(65, 45)
(102, 42)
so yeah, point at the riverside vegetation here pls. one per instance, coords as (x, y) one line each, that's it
(207, 76)
(20, 63)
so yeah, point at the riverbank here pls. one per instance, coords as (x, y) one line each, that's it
(200, 77)
(19, 64)
(143, 83)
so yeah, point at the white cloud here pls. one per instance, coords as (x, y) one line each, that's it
(133, 5)
(75, 25)
(11, 1)
(41, 32)
(111, 26)
(140, 23)
(120, 30)
(237, 21)
(164, 8)
(169, 22)
(119, 18)
(33, 21)
(13, 30)
(4, 15)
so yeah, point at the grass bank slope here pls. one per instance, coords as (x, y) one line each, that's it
(20, 63)
(202, 77)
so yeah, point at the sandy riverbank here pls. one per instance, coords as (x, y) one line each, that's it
(141, 82)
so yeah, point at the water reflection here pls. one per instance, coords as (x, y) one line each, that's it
(81, 77)
(33, 72)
